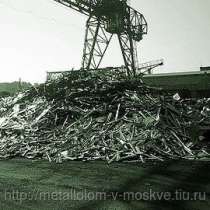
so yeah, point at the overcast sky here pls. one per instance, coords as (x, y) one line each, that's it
(41, 35)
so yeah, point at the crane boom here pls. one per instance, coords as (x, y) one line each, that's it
(77, 5)
(106, 18)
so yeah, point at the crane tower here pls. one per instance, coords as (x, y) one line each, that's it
(106, 18)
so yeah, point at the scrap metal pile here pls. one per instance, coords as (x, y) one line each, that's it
(89, 116)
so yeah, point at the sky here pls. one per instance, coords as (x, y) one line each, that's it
(41, 35)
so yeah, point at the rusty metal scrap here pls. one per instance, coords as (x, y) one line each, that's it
(89, 116)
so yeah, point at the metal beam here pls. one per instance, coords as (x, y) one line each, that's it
(96, 43)
(127, 48)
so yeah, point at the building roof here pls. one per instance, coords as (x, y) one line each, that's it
(178, 74)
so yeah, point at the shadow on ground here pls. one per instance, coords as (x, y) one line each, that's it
(174, 185)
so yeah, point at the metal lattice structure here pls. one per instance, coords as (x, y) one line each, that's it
(146, 68)
(106, 18)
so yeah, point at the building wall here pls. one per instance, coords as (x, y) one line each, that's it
(194, 84)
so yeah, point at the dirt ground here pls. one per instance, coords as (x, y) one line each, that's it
(39, 185)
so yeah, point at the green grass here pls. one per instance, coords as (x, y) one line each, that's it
(13, 87)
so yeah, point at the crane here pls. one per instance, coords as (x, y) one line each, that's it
(146, 68)
(105, 19)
